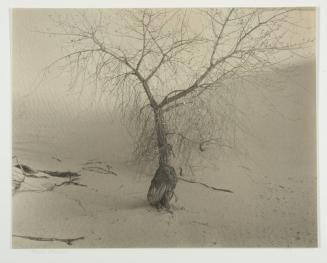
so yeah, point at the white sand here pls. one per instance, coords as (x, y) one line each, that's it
(273, 205)
(112, 212)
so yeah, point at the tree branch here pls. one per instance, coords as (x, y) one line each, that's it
(221, 60)
(216, 44)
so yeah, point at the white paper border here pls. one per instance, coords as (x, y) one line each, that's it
(156, 255)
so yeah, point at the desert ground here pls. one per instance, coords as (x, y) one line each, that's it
(273, 203)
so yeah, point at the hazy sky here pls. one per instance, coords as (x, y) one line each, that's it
(32, 51)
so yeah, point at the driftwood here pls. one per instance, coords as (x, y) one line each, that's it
(61, 174)
(29, 172)
(68, 241)
(205, 185)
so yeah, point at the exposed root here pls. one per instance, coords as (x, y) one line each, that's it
(205, 185)
(68, 241)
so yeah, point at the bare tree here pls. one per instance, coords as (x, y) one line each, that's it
(169, 71)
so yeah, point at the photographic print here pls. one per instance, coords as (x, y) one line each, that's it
(164, 127)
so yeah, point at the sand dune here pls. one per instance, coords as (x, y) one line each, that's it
(273, 204)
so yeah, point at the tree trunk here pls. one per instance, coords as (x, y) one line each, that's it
(163, 147)
(164, 181)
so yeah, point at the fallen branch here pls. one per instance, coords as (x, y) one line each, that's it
(205, 185)
(68, 241)
(29, 172)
